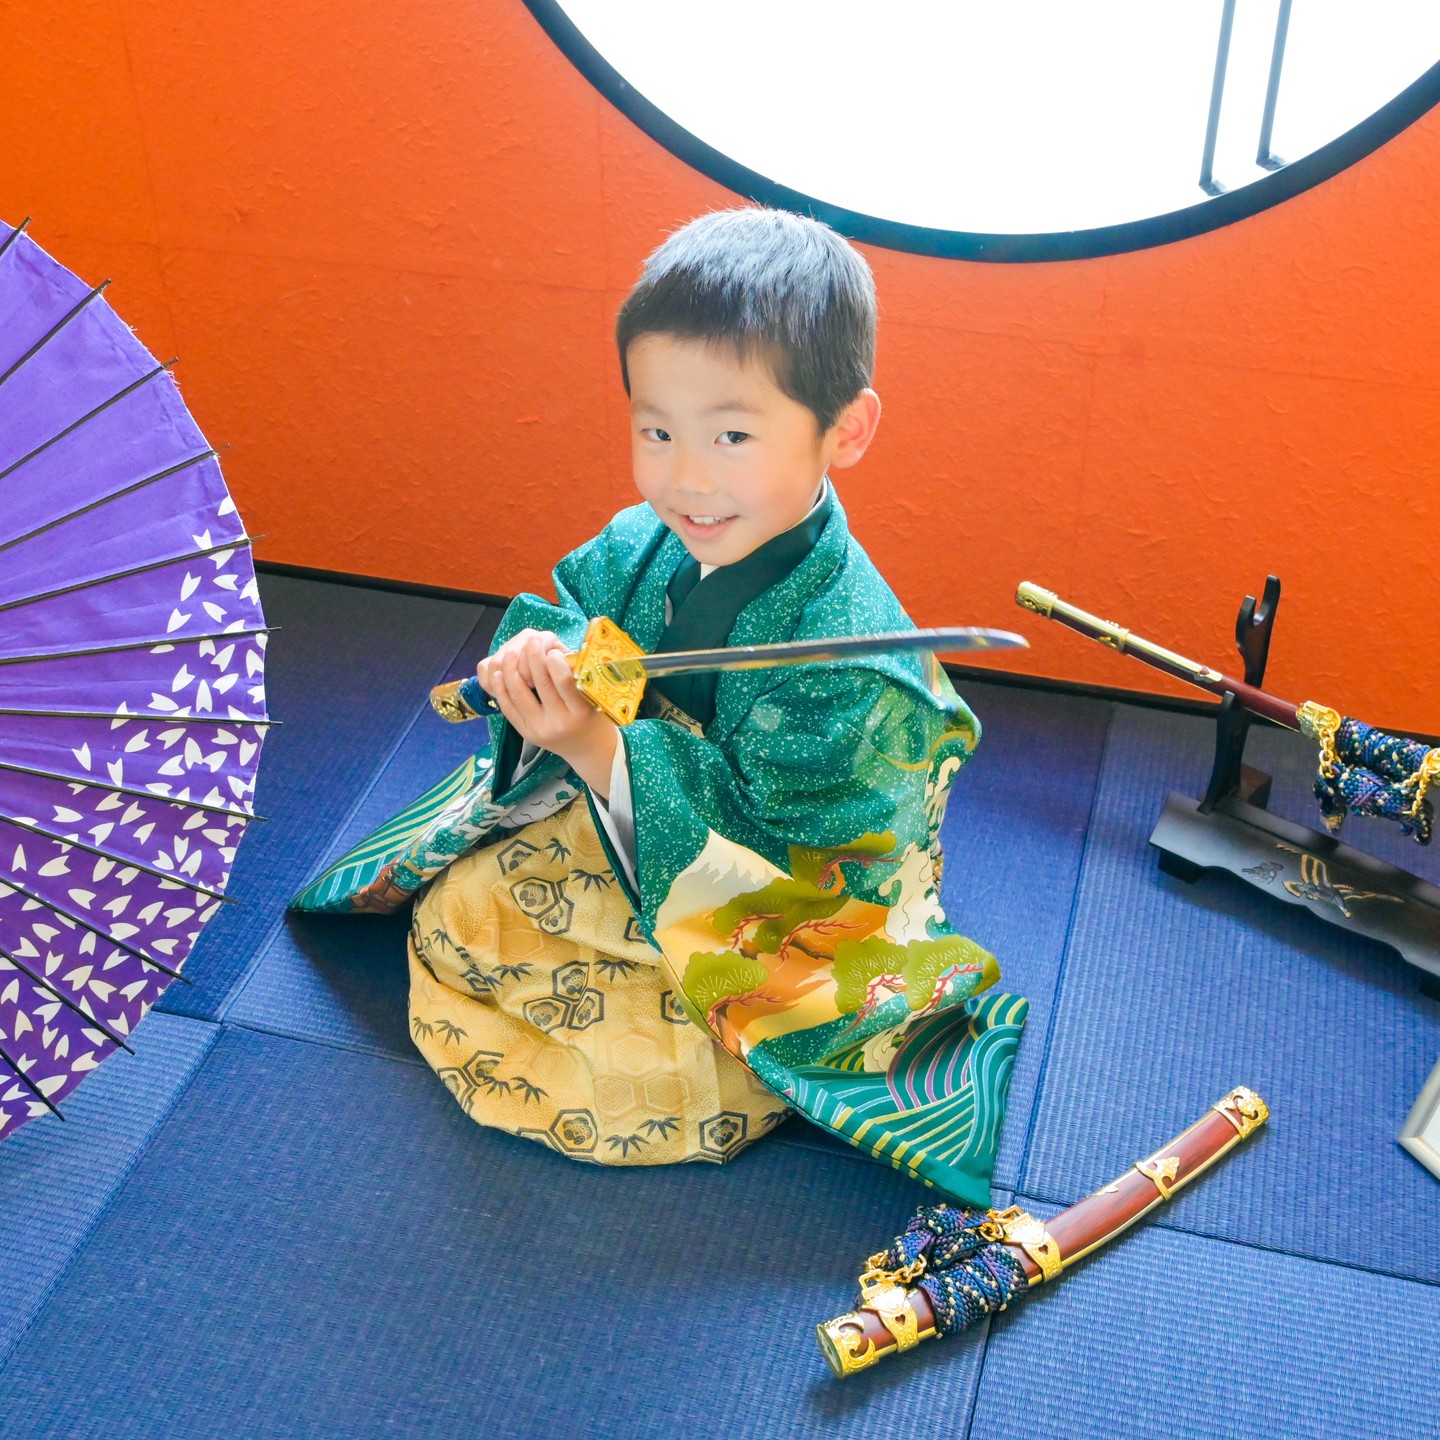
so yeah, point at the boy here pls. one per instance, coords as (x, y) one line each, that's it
(642, 945)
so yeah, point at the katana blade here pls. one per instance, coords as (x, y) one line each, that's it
(610, 669)
(812, 652)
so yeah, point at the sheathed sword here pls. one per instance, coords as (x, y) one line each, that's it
(611, 669)
(952, 1267)
(1361, 768)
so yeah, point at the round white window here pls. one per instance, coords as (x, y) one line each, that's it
(1032, 129)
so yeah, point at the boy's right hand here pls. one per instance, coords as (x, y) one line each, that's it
(525, 651)
(533, 688)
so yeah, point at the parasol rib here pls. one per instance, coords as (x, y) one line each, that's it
(121, 862)
(107, 499)
(65, 1000)
(142, 955)
(83, 420)
(170, 640)
(14, 235)
(55, 329)
(30, 1085)
(119, 516)
(129, 790)
(234, 544)
(175, 719)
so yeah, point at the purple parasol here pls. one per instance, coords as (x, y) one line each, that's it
(132, 704)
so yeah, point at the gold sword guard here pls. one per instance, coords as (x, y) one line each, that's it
(598, 677)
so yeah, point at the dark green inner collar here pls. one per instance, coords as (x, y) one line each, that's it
(705, 611)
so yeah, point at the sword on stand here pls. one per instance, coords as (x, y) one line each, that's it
(611, 669)
(1361, 768)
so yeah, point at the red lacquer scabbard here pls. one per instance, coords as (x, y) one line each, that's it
(1045, 1248)
(1124, 642)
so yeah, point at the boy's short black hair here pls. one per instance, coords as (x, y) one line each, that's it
(770, 283)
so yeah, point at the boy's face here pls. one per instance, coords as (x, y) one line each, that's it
(725, 458)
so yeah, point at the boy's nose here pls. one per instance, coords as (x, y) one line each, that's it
(689, 477)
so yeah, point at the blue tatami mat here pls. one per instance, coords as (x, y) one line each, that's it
(337, 979)
(1173, 993)
(1014, 836)
(346, 675)
(319, 1243)
(1165, 1335)
(56, 1177)
(342, 979)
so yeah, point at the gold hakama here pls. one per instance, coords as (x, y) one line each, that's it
(537, 1000)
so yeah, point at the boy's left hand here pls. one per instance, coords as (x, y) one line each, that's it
(553, 714)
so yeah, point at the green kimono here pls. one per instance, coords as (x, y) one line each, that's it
(787, 857)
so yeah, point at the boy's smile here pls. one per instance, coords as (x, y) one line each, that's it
(726, 459)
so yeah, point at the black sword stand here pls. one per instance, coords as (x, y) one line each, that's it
(1230, 829)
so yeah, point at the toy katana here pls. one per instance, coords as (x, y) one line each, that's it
(611, 669)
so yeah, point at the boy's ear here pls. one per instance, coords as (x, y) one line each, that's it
(855, 429)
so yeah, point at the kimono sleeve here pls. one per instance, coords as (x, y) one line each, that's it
(830, 759)
(385, 869)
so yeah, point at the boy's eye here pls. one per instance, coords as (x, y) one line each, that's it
(654, 433)
(732, 437)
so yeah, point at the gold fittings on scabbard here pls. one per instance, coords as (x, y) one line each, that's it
(1322, 725)
(892, 1304)
(1052, 607)
(844, 1341)
(848, 1341)
(1244, 1109)
(1019, 1227)
(846, 1346)
(1114, 637)
(1032, 597)
(1161, 1170)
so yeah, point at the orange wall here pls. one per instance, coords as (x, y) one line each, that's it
(387, 242)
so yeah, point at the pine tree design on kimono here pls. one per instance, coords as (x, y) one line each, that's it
(856, 1010)
(801, 944)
